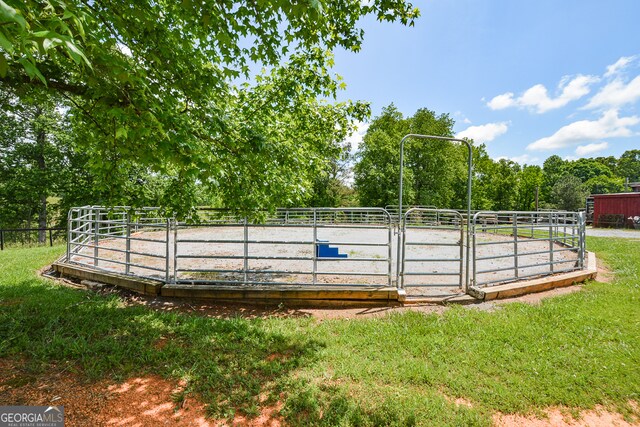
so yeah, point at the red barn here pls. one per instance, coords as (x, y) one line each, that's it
(613, 210)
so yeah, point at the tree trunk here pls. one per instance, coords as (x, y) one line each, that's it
(41, 141)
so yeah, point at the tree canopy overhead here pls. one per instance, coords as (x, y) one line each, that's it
(169, 85)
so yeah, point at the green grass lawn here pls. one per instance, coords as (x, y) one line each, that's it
(576, 351)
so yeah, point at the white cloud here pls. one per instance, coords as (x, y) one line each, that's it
(355, 139)
(607, 126)
(484, 133)
(616, 94)
(459, 115)
(619, 65)
(585, 150)
(501, 102)
(537, 97)
(524, 159)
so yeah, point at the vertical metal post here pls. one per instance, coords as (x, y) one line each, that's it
(475, 278)
(399, 248)
(515, 244)
(314, 275)
(551, 242)
(402, 230)
(533, 221)
(95, 237)
(245, 266)
(50, 238)
(167, 272)
(461, 252)
(127, 253)
(70, 229)
(175, 251)
(390, 247)
(581, 239)
(2, 241)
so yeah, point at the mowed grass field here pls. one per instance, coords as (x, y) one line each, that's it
(574, 351)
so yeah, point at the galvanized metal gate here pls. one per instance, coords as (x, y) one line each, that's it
(432, 252)
(305, 246)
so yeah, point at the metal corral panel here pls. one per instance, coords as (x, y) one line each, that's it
(626, 204)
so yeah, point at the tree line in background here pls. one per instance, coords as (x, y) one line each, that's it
(436, 171)
(44, 170)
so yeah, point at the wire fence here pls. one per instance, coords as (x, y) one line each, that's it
(16, 237)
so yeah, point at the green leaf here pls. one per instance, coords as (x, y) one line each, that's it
(7, 13)
(121, 132)
(49, 43)
(45, 33)
(76, 54)
(4, 66)
(32, 70)
(5, 43)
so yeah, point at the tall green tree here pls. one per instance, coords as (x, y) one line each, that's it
(156, 84)
(568, 193)
(629, 165)
(603, 184)
(505, 184)
(376, 171)
(33, 142)
(432, 169)
(530, 180)
(587, 168)
(553, 168)
(483, 170)
(435, 164)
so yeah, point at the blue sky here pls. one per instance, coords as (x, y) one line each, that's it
(528, 78)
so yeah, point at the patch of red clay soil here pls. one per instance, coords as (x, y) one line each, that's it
(147, 402)
(138, 402)
(598, 417)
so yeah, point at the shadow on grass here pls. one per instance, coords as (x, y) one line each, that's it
(234, 364)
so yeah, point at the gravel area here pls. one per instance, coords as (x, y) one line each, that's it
(364, 265)
(613, 232)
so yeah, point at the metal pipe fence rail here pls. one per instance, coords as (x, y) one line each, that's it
(286, 249)
(527, 244)
(29, 236)
(438, 259)
(328, 246)
(102, 238)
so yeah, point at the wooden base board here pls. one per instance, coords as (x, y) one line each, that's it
(136, 284)
(306, 293)
(325, 296)
(510, 290)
